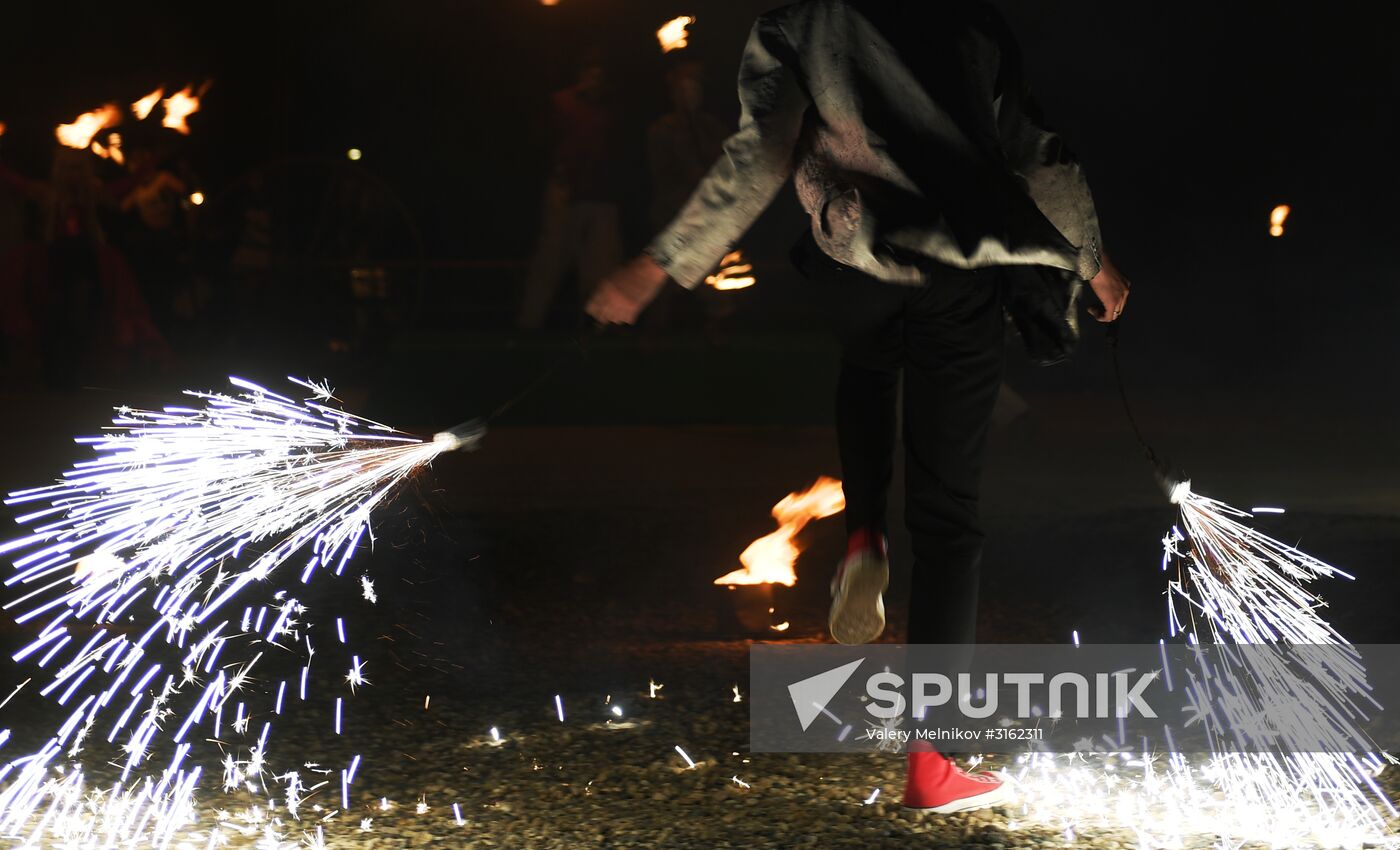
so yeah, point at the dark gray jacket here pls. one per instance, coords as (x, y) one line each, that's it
(910, 136)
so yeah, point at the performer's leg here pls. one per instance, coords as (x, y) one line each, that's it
(953, 365)
(867, 315)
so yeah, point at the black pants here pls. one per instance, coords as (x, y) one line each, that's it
(946, 338)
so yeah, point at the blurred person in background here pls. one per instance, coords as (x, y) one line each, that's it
(681, 147)
(579, 226)
(938, 202)
(73, 308)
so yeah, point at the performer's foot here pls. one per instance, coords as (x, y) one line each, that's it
(857, 591)
(937, 785)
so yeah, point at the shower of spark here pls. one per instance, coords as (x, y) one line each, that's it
(1235, 586)
(144, 563)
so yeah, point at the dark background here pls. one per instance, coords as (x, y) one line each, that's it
(1193, 119)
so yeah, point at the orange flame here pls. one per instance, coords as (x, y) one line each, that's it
(734, 273)
(112, 150)
(770, 559)
(78, 135)
(1277, 218)
(2, 128)
(181, 105)
(673, 35)
(143, 107)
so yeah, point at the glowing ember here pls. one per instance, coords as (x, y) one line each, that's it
(734, 273)
(771, 559)
(197, 198)
(143, 107)
(79, 134)
(180, 106)
(1277, 218)
(673, 35)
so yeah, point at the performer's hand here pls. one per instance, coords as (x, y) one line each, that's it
(1112, 289)
(621, 296)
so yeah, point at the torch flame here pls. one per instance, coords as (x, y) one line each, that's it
(112, 150)
(734, 273)
(179, 106)
(770, 559)
(78, 135)
(1277, 218)
(143, 107)
(673, 35)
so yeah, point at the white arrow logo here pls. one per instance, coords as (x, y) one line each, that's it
(810, 696)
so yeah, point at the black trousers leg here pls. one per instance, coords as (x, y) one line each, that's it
(867, 316)
(953, 333)
(946, 339)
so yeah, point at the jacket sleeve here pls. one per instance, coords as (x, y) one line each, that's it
(756, 161)
(1052, 174)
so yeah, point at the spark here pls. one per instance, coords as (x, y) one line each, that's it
(690, 763)
(652, 688)
(457, 814)
(1277, 217)
(559, 707)
(495, 735)
(422, 807)
(356, 675)
(738, 697)
(741, 783)
(870, 801)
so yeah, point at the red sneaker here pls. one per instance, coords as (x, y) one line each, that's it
(937, 785)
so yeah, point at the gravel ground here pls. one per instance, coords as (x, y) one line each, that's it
(510, 579)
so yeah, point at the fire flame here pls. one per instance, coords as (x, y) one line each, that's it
(78, 135)
(673, 35)
(770, 559)
(1277, 218)
(112, 150)
(179, 106)
(734, 273)
(143, 107)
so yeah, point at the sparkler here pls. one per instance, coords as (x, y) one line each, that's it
(1236, 587)
(180, 518)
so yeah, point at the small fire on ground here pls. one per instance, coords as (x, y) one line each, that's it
(772, 559)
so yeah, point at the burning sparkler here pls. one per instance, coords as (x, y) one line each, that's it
(1236, 587)
(182, 513)
(673, 34)
(734, 273)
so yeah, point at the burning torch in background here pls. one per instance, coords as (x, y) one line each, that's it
(673, 34)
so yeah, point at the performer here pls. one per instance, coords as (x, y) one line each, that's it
(937, 200)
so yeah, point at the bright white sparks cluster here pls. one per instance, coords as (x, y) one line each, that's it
(138, 572)
(1236, 586)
